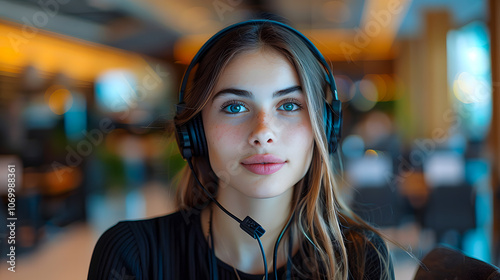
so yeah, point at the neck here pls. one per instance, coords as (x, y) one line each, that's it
(236, 247)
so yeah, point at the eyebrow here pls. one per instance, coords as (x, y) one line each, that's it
(248, 94)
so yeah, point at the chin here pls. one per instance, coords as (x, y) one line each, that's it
(264, 192)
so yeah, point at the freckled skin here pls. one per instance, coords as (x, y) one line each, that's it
(262, 127)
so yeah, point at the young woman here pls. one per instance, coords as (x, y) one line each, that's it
(255, 112)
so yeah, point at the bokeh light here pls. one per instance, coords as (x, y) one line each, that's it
(468, 88)
(344, 84)
(353, 146)
(116, 90)
(371, 153)
(368, 88)
(59, 99)
(359, 101)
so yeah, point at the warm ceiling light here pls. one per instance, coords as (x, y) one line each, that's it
(55, 53)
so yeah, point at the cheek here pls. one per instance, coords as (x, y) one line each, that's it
(223, 140)
(307, 142)
(222, 137)
(301, 136)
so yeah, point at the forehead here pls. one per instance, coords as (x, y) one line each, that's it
(264, 66)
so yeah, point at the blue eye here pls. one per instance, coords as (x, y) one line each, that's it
(289, 107)
(234, 108)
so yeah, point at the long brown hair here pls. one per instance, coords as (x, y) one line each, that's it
(320, 212)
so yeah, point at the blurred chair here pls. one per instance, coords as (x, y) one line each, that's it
(377, 205)
(375, 198)
(450, 208)
(414, 193)
(447, 263)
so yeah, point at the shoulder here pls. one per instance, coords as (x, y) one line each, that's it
(125, 230)
(176, 220)
(137, 231)
(126, 248)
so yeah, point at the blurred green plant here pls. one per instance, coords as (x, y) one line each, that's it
(114, 170)
(172, 159)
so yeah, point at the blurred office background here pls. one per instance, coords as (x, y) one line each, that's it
(86, 85)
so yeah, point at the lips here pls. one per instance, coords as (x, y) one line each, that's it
(265, 164)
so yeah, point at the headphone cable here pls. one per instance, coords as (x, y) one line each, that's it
(276, 245)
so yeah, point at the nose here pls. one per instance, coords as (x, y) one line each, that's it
(262, 134)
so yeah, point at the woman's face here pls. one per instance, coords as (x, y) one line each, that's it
(257, 125)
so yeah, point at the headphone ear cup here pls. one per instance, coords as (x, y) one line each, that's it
(197, 134)
(191, 138)
(332, 118)
(183, 141)
(328, 125)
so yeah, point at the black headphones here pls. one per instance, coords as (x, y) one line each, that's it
(191, 136)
